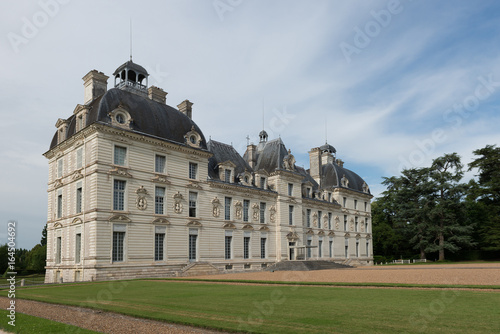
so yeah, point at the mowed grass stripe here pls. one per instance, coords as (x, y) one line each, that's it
(285, 308)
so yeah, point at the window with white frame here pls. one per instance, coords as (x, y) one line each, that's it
(345, 222)
(79, 158)
(193, 197)
(320, 213)
(246, 245)
(290, 215)
(58, 249)
(160, 162)
(59, 168)
(79, 192)
(227, 244)
(308, 217)
(159, 242)
(118, 242)
(59, 204)
(263, 182)
(227, 208)
(192, 247)
(119, 195)
(320, 247)
(120, 155)
(263, 242)
(227, 175)
(159, 200)
(329, 220)
(193, 170)
(262, 212)
(290, 189)
(78, 247)
(246, 207)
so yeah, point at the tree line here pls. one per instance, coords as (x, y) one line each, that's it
(27, 261)
(430, 213)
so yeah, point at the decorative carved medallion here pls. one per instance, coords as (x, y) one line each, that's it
(216, 207)
(351, 225)
(193, 138)
(77, 175)
(325, 221)
(255, 214)
(292, 236)
(239, 209)
(272, 210)
(247, 227)
(337, 223)
(229, 226)
(177, 202)
(141, 203)
(315, 219)
(194, 185)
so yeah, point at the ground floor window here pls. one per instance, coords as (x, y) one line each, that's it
(58, 249)
(246, 246)
(118, 239)
(227, 245)
(357, 248)
(263, 241)
(309, 251)
(320, 248)
(193, 238)
(346, 248)
(330, 247)
(159, 240)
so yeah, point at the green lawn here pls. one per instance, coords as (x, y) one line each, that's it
(286, 309)
(28, 324)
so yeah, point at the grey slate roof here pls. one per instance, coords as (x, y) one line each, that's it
(222, 153)
(131, 66)
(270, 157)
(333, 173)
(149, 117)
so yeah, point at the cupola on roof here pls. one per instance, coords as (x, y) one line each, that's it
(131, 75)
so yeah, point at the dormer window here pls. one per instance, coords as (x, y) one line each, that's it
(308, 192)
(62, 127)
(227, 175)
(193, 138)
(263, 182)
(120, 117)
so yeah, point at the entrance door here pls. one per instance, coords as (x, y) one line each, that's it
(291, 251)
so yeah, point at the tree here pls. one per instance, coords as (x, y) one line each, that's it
(486, 192)
(35, 260)
(449, 229)
(43, 241)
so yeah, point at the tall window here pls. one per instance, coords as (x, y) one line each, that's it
(356, 224)
(159, 200)
(320, 213)
(160, 163)
(59, 204)
(290, 215)
(308, 192)
(308, 217)
(227, 208)
(246, 206)
(192, 204)
(329, 197)
(79, 197)
(227, 175)
(79, 158)
(320, 248)
(262, 182)
(58, 249)
(309, 251)
(193, 170)
(355, 204)
(120, 155)
(345, 201)
(262, 212)
(329, 220)
(159, 240)
(357, 248)
(330, 248)
(263, 241)
(366, 206)
(118, 239)
(366, 225)
(246, 246)
(346, 247)
(367, 248)
(345, 222)
(119, 195)
(59, 168)
(227, 246)
(290, 189)
(78, 247)
(193, 236)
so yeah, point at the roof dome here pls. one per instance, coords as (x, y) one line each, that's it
(327, 148)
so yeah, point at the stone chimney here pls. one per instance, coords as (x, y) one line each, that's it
(185, 108)
(251, 155)
(339, 162)
(96, 84)
(315, 164)
(157, 94)
(326, 158)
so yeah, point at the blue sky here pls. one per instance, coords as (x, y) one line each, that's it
(397, 83)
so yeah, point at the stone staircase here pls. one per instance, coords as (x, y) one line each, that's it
(306, 265)
(198, 269)
(132, 272)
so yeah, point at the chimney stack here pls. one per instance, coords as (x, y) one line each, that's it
(251, 155)
(185, 108)
(339, 162)
(96, 84)
(157, 94)
(315, 164)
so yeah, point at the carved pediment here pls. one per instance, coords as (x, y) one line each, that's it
(358, 236)
(194, 223)
(119, 218)
(76, 221)
(229, 226)
(162, 221)
(194, 185)
(58, 225)
(331, 234)
(247, 227)
(141, 190)
(264, 228)
(160, 179)
(368, 236)
(310, 231)
(321, 232)
(347, 235)
(77, 175)
(292, 236)
(58, 183)
(120, 171)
